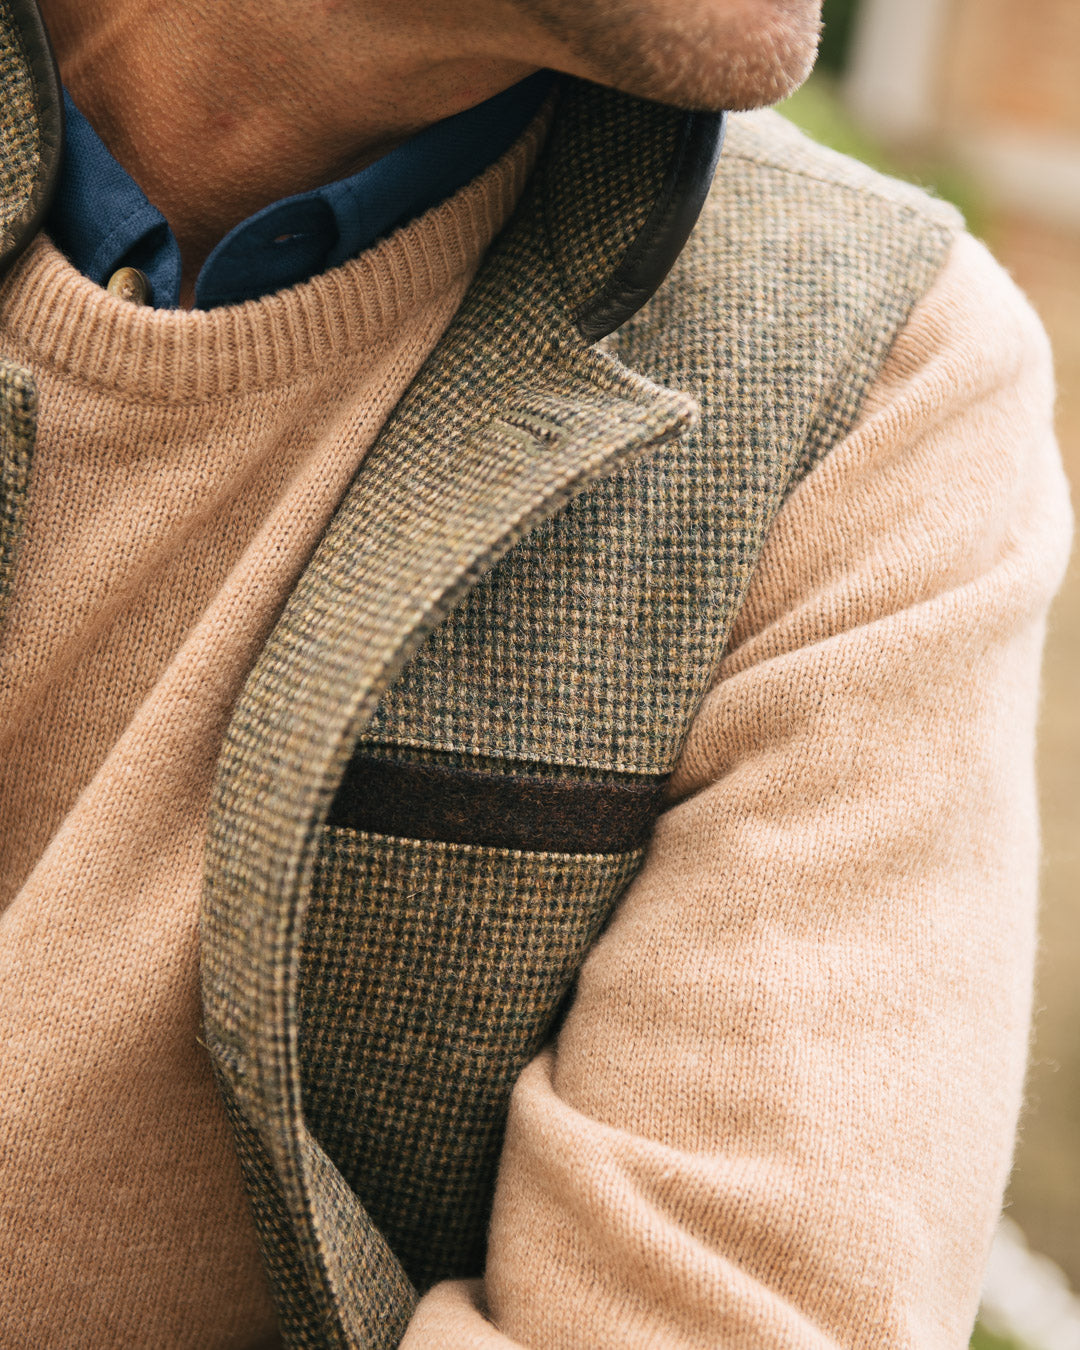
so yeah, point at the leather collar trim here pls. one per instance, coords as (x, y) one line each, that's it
(662, 237)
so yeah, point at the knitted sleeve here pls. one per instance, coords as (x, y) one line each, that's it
(781, 1110)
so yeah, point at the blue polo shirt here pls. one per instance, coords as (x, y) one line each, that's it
(103, 221)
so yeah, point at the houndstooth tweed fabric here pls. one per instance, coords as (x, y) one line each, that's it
(20, 132)
(18, 419)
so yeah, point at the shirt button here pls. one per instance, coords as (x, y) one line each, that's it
(128, 283)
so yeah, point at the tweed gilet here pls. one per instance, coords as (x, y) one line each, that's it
(442, 773)
(443, 770)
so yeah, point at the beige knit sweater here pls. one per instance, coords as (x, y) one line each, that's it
(780, 1113)
(186, 465)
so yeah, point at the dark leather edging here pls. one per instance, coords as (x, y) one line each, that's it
(667, 227)
(49, 110)
(494, 810)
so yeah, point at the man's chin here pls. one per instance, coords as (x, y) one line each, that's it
(732, 89)
(706, 55)
(768, 67)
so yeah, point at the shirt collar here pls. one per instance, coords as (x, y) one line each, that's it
(103, 221)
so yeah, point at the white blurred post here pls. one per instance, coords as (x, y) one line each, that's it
(1026, 1297)
(893, 69)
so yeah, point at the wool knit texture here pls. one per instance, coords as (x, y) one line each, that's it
(780, 1111)
(185, 467)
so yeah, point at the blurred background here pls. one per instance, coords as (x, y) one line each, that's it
(979, 100)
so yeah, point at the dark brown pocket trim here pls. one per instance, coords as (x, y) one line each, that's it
(462, 806)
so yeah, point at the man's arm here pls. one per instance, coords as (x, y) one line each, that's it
(781, 1110)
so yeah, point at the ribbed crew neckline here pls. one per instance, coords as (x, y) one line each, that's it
(52, 315)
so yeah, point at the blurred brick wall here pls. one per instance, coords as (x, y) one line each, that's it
(1012, 63)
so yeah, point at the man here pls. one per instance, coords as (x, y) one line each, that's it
(594, 726)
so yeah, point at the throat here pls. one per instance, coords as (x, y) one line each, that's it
(219, 111)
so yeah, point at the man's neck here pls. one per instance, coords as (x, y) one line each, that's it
(216, 110)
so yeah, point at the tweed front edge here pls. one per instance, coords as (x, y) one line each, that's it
(18, 425)
(387, 591)
(20, 132)
(31, 125)
(525, 419)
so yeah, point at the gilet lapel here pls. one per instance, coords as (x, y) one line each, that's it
(31, 134)
(510, 418)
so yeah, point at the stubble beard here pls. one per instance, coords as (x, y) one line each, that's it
(701, 54)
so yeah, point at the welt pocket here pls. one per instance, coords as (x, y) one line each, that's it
(448, 804)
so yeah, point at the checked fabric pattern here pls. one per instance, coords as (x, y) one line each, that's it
(20, 131)
(447, 976)
(511, 418)
(533, 575)
(30, 124)
(18, 421)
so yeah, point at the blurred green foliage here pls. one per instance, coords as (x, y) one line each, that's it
(986, 1340)
(838, 21)
(819, 110)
